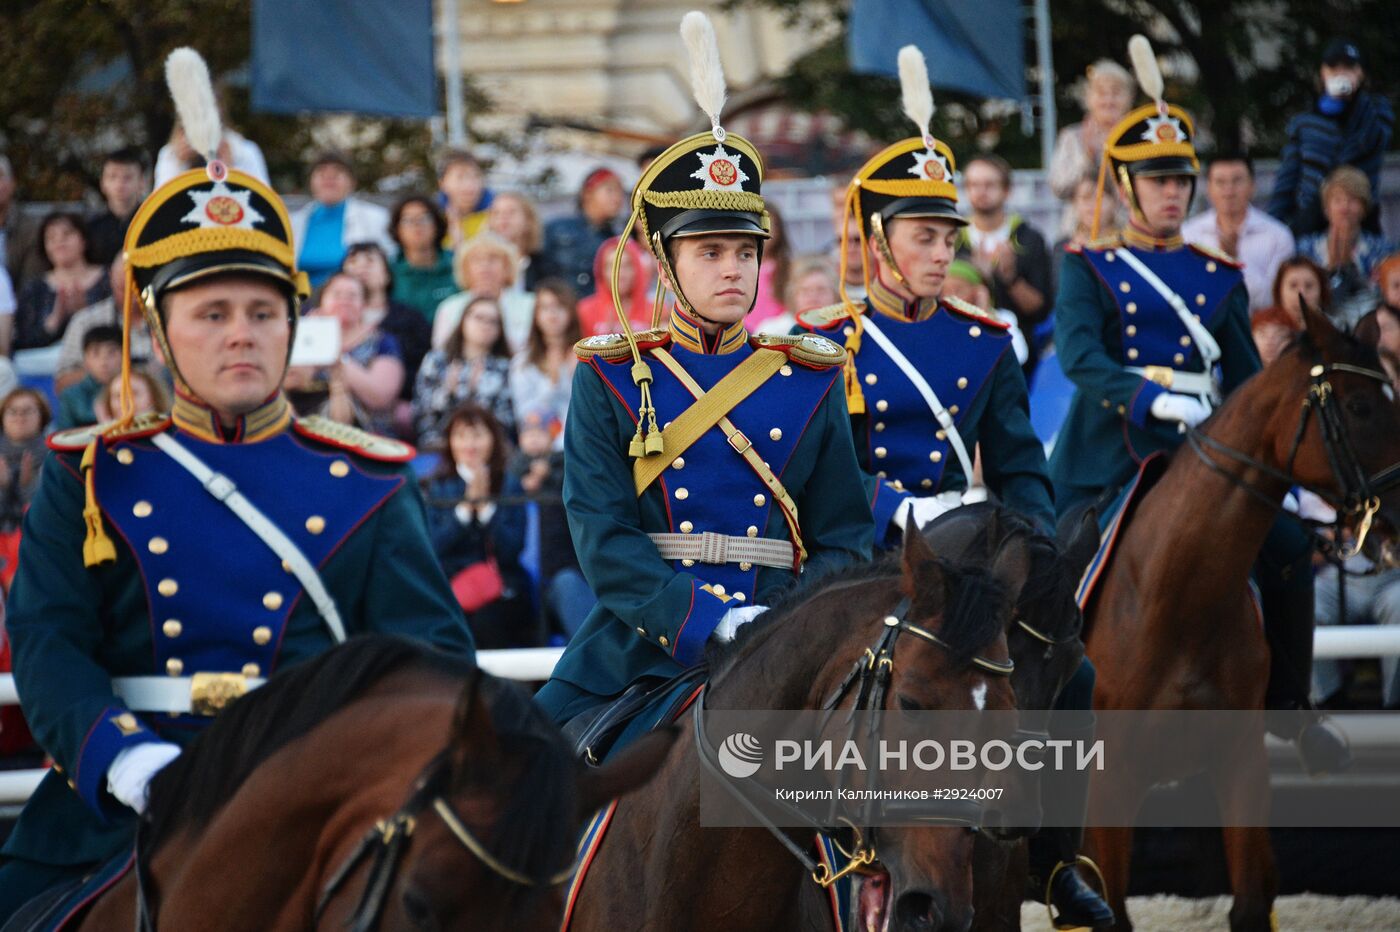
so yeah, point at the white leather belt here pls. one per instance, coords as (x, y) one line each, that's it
(201, 694)
(1184, 383)
(709, 547)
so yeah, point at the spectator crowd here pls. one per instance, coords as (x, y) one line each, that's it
(457, 309)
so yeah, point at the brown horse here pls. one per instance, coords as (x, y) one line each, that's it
(659, 869)
(380, 786)
(1172, 625)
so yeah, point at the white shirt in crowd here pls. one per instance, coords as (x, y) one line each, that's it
(365, 222)
(7, 292)
(246, 155)
(1264, 244)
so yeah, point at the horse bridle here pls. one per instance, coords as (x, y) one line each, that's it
(870, 678)
(1360, 493)
(387, 841)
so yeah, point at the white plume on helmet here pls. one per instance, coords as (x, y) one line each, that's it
(187, 76)
(916, 91)
(706, 72)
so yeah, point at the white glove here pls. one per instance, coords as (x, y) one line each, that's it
(130, 775)
(732, 620)
(1184, 409)
(924, 509)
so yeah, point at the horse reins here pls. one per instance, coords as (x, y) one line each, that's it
(870, 677)
(1360, 493)
(387, 841)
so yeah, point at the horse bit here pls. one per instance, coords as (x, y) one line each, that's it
(1360, 492)
(870, 677)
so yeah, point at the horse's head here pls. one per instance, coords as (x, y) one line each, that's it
(493, 845)
(926, 882)
(1344, 443)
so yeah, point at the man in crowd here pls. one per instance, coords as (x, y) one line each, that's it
(19, 234)
(123, 185)
(1010, 253)
(570, 243)
(1235, 227)
(463, 196)
(1347, 125)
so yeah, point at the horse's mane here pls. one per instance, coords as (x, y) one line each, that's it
(973, 612)
(189, 791)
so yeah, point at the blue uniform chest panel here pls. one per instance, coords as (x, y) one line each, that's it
(1153, 334)
(219, 598)
(710, 487)
(956, 357)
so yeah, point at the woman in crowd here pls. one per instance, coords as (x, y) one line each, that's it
(46, 304)
(23, 414)
(542, 375)
(811, 284)
(773, 275)
(423, 271)
(148, 394)
(1381, 327)
(513, 218)
(477, 536)
(1348, 253)
(486, 266)
(595, 312)
(1107, 94)
(1272, 329)
(1077, 224)
(474, 366)
(1301, 279)
(362, 387)
(368, 263)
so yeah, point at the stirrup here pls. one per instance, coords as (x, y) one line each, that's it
(1070, 865)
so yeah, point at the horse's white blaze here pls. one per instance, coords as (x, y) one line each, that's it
(979, 695)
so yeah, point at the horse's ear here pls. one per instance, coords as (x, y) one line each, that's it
(1012, 564)
(633, 767)
(475, 748)
(923, 577)
(1318, 331)
(1079, 541)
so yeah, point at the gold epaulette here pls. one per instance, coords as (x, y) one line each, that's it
(1224, 258)
(354, 440)
(823, 318)
(612, 347)
(78, 438)
(809, 349)
(967, 309)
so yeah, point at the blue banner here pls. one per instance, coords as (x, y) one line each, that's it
(357, 56)
(976, 47)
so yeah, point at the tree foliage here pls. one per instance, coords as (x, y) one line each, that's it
(1241, 66)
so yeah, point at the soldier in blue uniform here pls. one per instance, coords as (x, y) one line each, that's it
(930, 382)
(1154, 332)
(171, 562)
(705, 468)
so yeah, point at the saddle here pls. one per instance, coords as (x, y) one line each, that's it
(593, 733)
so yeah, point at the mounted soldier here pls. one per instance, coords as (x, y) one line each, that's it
(1154, 332)
(171, 562)
(706, 468)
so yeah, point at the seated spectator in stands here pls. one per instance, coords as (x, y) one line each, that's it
(1273, 329)
(811, 284)
(538, 470)
(542, 375)
(1348, 125)
(847, 244)
(595, 312)
(102, 361)
(1348, 253)
(462, 195)
(1106, 94)
(148, 395)
(46, 304)
(1010, 253)
(773, 274)
(423, 271)
(1299, 280)
(1236, 227)
(1381, 327)
(486, 267)
(19, 233)
(474, 367)
(235, 151)
(123, 185)
(367, 262)
(69, 368)
(7, 311)
(1077, 225)
(362, 387)
(513, 218)
(23, 416)
(570, 243)
(477, 536)
(334, 219)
